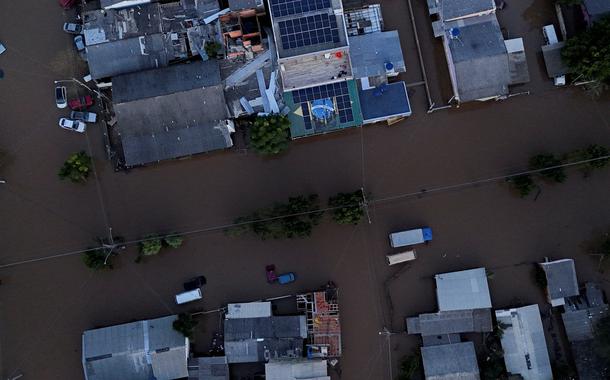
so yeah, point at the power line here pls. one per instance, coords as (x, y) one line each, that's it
(320, 210)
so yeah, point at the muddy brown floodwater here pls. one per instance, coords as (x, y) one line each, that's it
(45, 306)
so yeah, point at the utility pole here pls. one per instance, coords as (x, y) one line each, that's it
(387, 333)
(110, 245)
(365, 205)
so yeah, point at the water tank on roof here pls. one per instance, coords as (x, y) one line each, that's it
(454, 33)
(389, 69)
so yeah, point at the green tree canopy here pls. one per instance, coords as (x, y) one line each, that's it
(409, 366)
(269, 135)
(523, 184)
(151, 245)
(588, 53)
(173, 241)
(349, 209)
(293, 219)
(76, 168)
(98, 259)
(541, 161)
(185, 324)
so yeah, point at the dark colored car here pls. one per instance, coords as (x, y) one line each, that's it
(271, 276)
(194, 283)
(81, 103)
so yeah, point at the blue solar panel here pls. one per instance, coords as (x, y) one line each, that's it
(281, 8)
(339, 91)
(309, 30)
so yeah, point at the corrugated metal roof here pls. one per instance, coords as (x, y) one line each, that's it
(259, 339)
(248, 310)
(165, 81)
(456, 361)
(451, 322)
(463, 290)
(453, 9)
(127, 56)
(208, 368)
(479, 57)
(552, 60)
(523, 343)
(172, 126)
(136, 350)
(561, 278)
(298, 369)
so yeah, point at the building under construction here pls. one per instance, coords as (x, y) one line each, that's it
(321, 309)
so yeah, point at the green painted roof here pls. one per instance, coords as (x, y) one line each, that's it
(297, 123)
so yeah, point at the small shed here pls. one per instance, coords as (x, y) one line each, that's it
(555, 67)
(561, 280)
(463, 290)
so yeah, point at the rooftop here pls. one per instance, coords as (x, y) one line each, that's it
(165, 81)
(588, 364)
(371, 52)
(129, 55)
(208, 368)
(384, 102)
(237, 5)
(137, 350)
(363, 20)
(477, 57)
(523, 343)
(561, 280)
(248, 310)
(316, 68)
(323, 109)
(451, 322)
(462, 290)
(552, 60)
(298, 369)
(307, 26)
(597, 8)
(457, 9)
(260, 339)
(172, 126)
(455, 361)
(143, 36)
(583, 312)
(107, 4)
(517, 61)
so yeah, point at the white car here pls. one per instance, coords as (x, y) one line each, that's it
(2, 48)
(72, 125)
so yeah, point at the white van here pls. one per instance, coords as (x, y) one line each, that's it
(401, 257)
(550, 37)
(190, 296)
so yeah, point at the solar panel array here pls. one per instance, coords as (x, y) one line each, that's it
(309, 30)
(339, 91)
(281, 8)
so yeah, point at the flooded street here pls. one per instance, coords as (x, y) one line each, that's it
(45, 306)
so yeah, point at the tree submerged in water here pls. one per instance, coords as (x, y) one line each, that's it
(76, 168)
